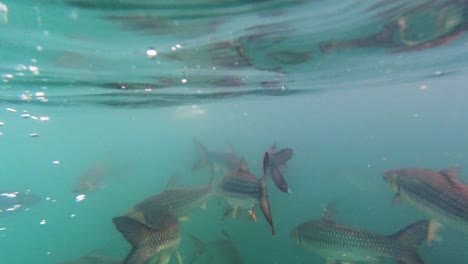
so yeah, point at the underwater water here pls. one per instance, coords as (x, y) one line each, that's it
(101, 101)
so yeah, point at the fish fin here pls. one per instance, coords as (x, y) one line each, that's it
(162, 259)
(137, 215)
(452, 174)
(433, 233)
(228, 211)
(179, 257)
(203, 155)
(201, 247)
(264, 201)
(266, 163)
(273, 149)
(243, 165)
(329, 213)
(279, 180)
(410, 257)
(411, 237)
(137, 235)
(398, 198)
(184, 218)
(172, 183)
(236, 213)
(252, 214)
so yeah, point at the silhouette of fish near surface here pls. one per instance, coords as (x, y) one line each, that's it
(13, 202)
(148, 244)
(344, 244)
(278, 160)
(243, 190)
(439, 194)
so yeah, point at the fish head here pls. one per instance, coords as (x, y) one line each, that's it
(391, 177)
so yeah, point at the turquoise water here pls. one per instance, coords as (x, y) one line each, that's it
(81, 90)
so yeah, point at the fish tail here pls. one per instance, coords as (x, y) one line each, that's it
(411, 238)
(279, 180)
(203, 155)
(136, 234)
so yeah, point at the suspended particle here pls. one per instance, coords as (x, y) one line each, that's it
(151, 53)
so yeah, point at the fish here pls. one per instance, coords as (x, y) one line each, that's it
(93, 259)
(148, 243)
(227, 160)
(243, 190)
(11, 202)
(439, 194)
(94, 178)
(345, 244)
(174, 201)
(216, 251)
(278, 160)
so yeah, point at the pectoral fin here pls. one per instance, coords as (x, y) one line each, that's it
(398, 198)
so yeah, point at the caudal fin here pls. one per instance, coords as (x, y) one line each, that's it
(138, 235)
(411, 238)
(264, 202)
(201, 247)
(202, 155)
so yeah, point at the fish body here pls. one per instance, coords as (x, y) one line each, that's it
(243, 190)
(177, 202)
(278, 163)
(226, 160)
(340, 243)
(17, 201)
(437, 193)
(217, 251)
(148, 243)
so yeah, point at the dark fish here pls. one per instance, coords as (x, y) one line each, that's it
(11, 202)
(244, 190)
(439, 194)
(147, 243)
(340, 243)
(217, 251)
(278, 160)
(227, 160)
(175, 201)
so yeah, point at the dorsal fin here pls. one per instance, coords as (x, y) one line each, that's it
(452, 174)
(243, 165)
(329, 212)
(273, 149)
(172, 183)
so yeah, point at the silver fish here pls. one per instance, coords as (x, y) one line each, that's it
(340, 243)
(439, 194)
